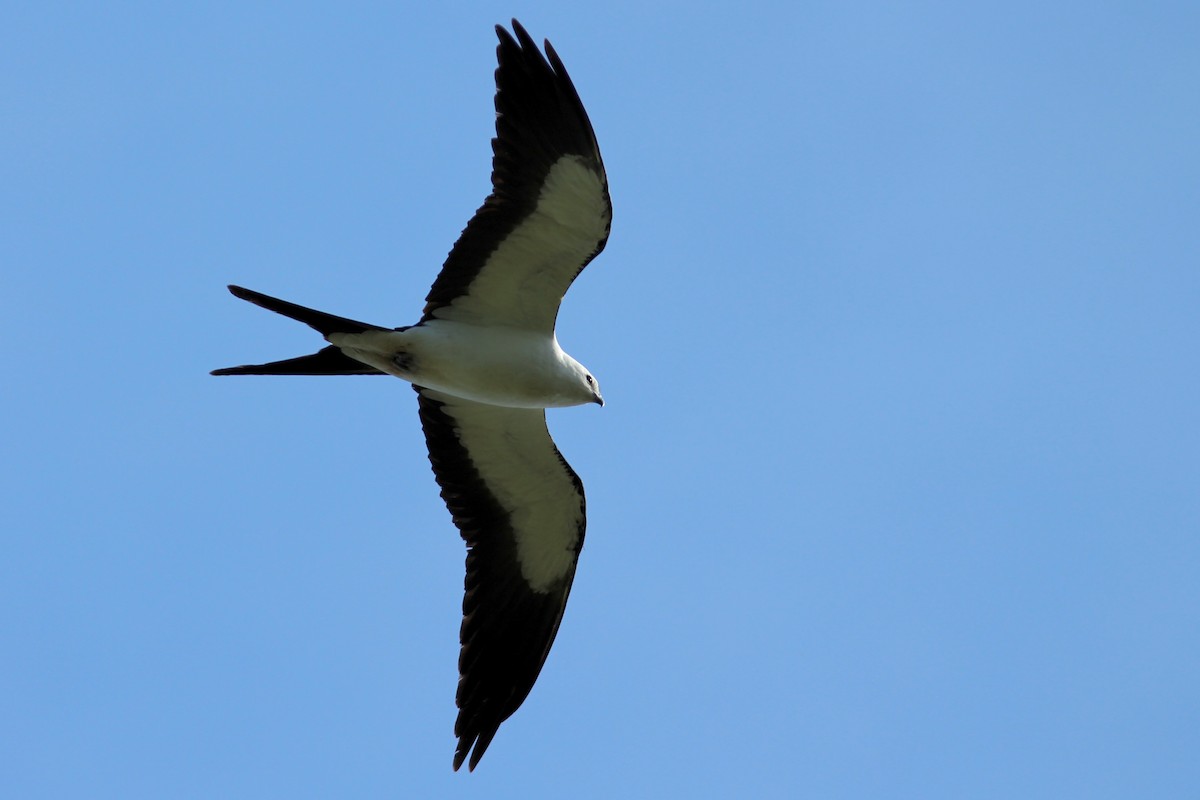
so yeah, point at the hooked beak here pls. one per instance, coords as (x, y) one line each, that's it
(598, 400)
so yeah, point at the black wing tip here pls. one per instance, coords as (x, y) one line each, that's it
(522, 35)
(544, 69)
(475, 745)
(460, 756)
(523, 42)
(517, 28)
(509, 41)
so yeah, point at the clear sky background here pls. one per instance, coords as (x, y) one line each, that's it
(895, 494)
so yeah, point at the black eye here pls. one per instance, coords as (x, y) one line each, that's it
(591, 381)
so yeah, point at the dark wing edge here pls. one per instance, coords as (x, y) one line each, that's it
(539, 119)
(507, 628)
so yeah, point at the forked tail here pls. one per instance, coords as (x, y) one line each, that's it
(326, 361)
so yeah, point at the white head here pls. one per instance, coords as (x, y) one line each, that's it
(594, 386)
(582, 386)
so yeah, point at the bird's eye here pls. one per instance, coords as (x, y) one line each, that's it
(591, 381)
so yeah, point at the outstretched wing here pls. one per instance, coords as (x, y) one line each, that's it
(520, 508)
(549, 211)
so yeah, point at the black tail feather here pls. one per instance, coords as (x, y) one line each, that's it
(327, 361)
(323, 323)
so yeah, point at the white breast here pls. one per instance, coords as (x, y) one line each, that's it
(497, 365)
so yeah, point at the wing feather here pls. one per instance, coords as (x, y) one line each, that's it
(549, 211)
(521, 510)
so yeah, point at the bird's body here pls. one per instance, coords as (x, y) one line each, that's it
(485, 363)
(498, 365)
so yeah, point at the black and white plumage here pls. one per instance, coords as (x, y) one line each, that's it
(485, 363)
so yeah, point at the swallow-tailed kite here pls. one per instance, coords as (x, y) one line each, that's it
(485, 364)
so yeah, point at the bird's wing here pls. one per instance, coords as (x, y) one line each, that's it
(549, 211)
(520, 507)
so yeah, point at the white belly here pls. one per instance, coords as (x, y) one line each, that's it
(494, 365)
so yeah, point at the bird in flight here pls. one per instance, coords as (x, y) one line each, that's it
(485, 364)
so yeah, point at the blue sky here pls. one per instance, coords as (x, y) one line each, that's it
(895, 494)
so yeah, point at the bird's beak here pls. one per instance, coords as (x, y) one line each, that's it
(598, 400)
